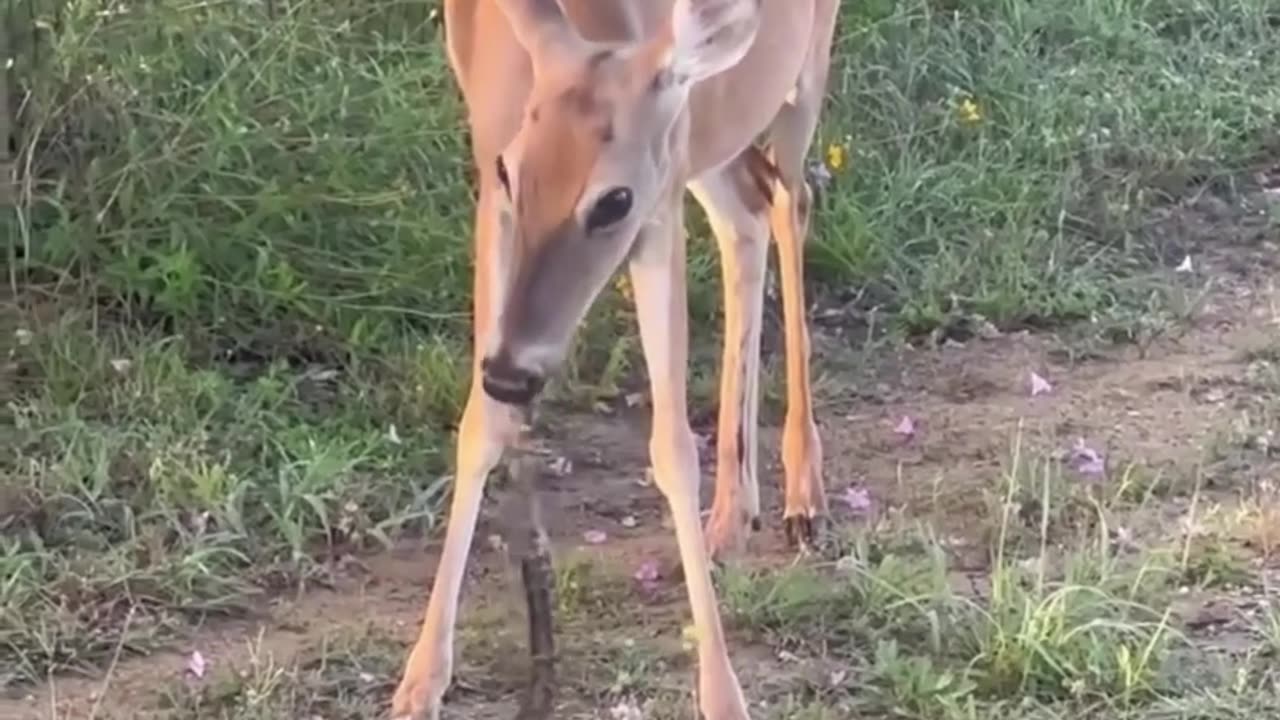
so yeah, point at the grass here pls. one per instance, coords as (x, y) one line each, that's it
(338, 680)
(1085, 627)
(883, 631)
(137, 486)
(233, 328)
(1084, 117)
(246, 169)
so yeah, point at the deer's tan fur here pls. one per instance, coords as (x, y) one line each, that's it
(571, 103)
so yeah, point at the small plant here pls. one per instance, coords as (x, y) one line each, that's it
(1054, 641)
(915, 686)
(1211, 561)
(342, 677)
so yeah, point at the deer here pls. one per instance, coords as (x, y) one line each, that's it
(589, 119)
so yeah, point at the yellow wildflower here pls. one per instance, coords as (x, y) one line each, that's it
(689, 637)
(623, 286)
(970, 113)
(836, 156)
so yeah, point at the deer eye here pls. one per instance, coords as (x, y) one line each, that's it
(611, 208)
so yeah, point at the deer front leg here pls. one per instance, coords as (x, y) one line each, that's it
(658, 276)
(735, 199)
(486, 429)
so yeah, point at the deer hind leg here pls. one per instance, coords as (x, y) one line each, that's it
(736, 200)
(805, 496)
(658, 276)
(487, 428)
(790, 137)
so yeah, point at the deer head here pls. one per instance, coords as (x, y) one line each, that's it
(601, 145)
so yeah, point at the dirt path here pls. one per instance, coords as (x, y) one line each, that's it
(1164, 409)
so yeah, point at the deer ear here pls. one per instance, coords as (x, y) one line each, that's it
(710, 36)
(539, 25)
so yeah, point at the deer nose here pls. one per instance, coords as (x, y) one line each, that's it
(505, 382)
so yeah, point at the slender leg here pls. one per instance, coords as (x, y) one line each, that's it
(735, 199)
(790, 137)
(487, 428)
(658, 276)
(805, 496)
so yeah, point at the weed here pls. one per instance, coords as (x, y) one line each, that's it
(342, 677)
(587, 587)
(1214, 561)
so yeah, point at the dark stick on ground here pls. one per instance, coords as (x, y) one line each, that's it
(532, 546)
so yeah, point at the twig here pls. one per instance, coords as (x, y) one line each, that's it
(111, 669)
(533, 549)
